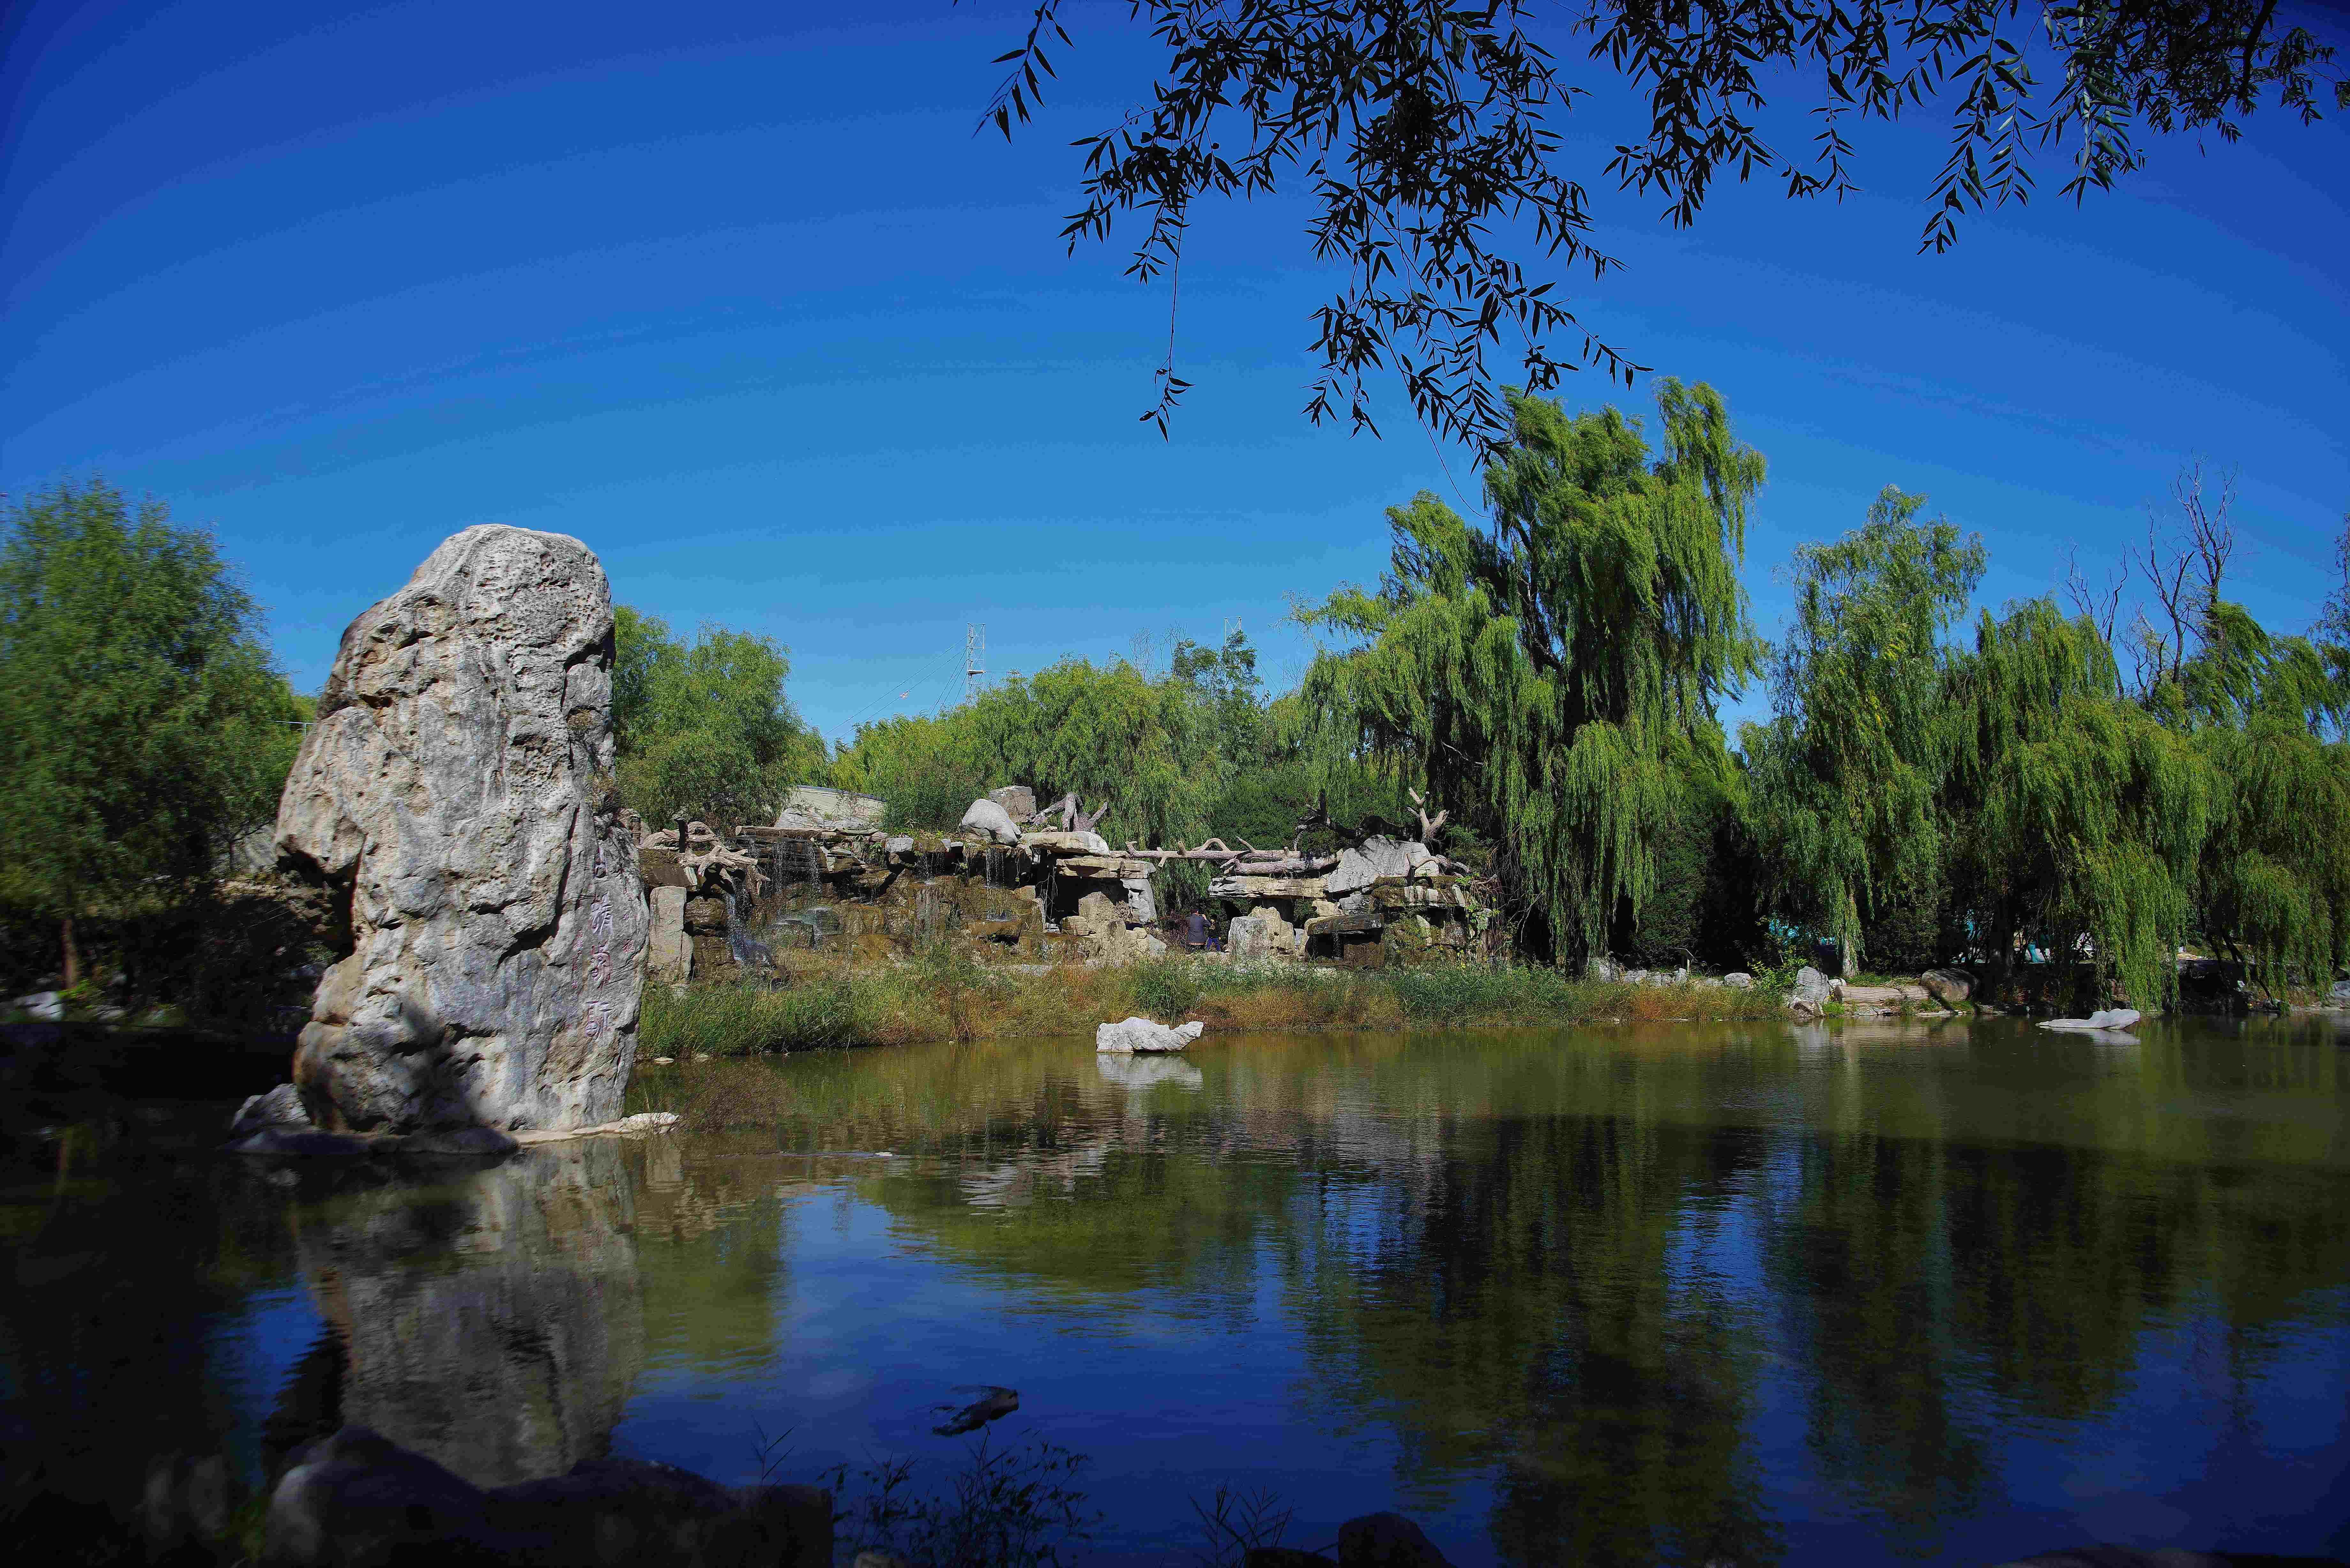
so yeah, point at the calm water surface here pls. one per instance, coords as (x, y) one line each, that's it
(1620, 1296)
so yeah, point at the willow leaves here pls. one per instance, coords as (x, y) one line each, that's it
(1552, 676)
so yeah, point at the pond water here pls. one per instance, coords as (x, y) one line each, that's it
(1749, 1294)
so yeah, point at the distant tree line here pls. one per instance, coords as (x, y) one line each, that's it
(2099, 776)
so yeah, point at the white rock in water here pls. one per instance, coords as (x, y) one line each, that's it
(987, 816)
(457, 781)
(2115, 1018)
(1143, 1035)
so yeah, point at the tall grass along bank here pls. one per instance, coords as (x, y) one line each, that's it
(823, 1005)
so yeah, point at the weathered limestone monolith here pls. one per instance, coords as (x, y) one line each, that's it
(458, 785)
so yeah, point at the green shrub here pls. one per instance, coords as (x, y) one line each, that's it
(1166, 990)
(735, 1020)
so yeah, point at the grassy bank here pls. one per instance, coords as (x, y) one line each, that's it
(948, 998)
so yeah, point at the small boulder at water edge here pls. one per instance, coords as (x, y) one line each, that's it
(1948, 986)
(281, 1107)
(1809, 995)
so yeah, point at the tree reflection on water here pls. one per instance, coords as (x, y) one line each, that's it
(1569, 1261)
(1643, 1296)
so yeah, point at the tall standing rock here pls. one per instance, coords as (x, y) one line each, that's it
(458, 785)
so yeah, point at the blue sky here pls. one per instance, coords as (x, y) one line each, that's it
(733, 293)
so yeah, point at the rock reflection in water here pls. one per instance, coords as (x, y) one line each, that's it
(1143, 1072)
(494, 1321)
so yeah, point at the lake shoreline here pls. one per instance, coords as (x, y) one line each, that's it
(950, 999)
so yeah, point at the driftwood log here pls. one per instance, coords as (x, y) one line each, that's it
(1074, 817)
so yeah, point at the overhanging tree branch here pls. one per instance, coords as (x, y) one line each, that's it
(1428, 132)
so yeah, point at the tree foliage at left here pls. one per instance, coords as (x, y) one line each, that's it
(143, 729)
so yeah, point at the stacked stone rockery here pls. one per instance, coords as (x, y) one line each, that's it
(1395, 892)
(1020, 881)
(824, 874)
(1101, 923)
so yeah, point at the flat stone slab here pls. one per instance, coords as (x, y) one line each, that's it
(627, 1126)
(302, 1140)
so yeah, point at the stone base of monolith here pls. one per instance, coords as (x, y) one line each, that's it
(457, 788)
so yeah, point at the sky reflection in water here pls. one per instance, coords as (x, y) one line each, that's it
(1610, 1296)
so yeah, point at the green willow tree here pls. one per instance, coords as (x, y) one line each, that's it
(2025, 794)
(704, 729)
(2080, 816)
(1845, 779)
(1554, 679)
(2273, 883)
(142, 727)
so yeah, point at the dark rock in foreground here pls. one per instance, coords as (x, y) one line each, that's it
(2168, 1557)
(1386, 1541)
(357, 1499)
